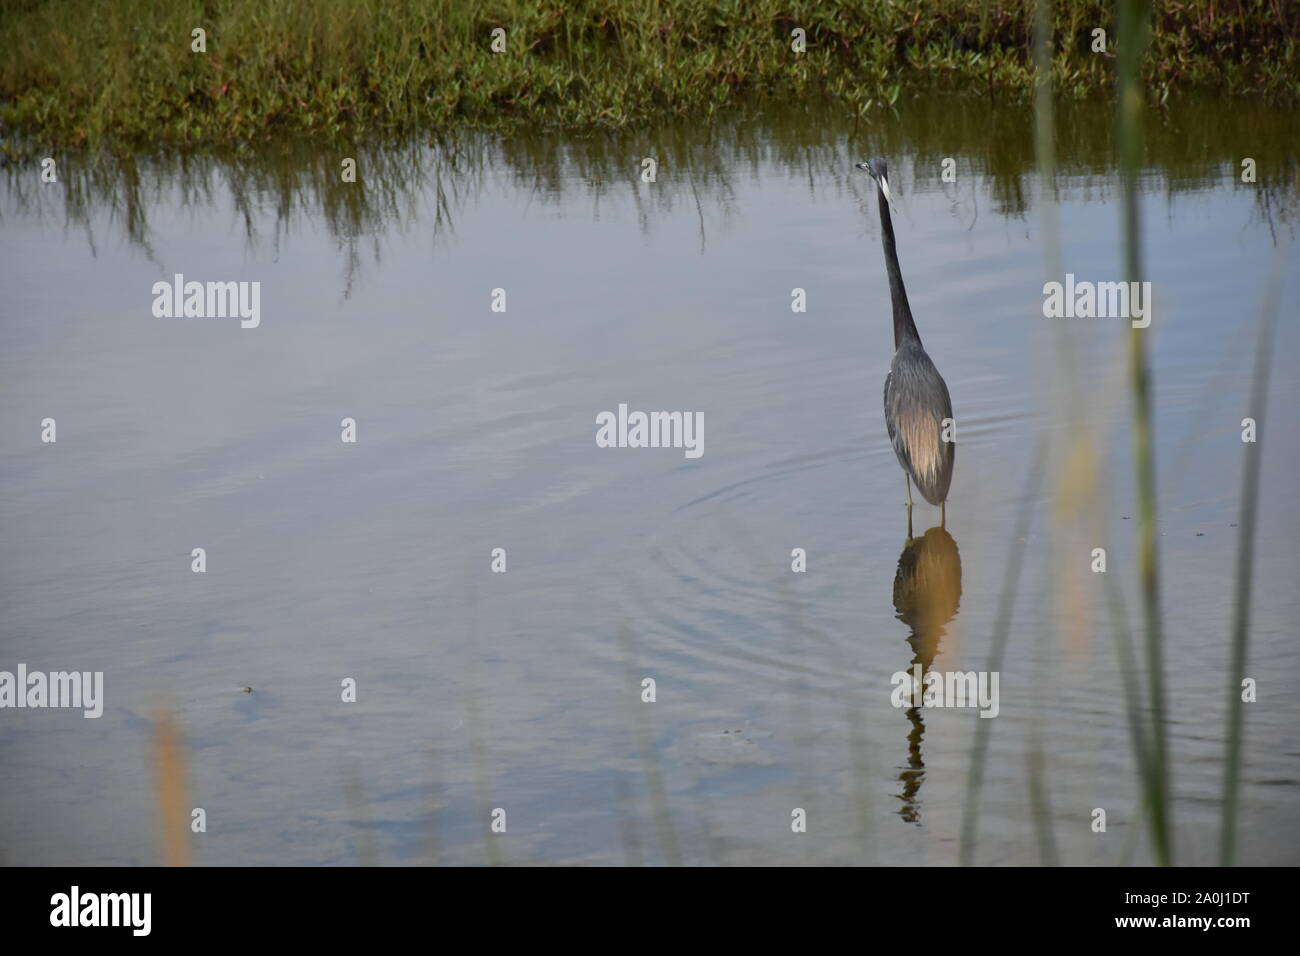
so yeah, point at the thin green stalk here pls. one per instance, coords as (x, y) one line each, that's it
(663, 820)
(1001, 628)
(1245, 569)
(1128, 674)
(1045, 156)
(474, 720)
(1036, 770)
(1133, 19)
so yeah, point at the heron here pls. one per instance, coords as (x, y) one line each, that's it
(927, 592)
(918, 411)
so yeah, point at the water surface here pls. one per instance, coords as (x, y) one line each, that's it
(476, 431)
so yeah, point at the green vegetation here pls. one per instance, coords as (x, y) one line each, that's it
(1245, 571)
(1153, 764)
(122, 72)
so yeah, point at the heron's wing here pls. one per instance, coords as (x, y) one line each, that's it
(918, 427)
(889, 418)
(916, 402)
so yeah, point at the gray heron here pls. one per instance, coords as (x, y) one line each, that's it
(918, 411)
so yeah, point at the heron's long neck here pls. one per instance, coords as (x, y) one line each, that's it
(904, 327)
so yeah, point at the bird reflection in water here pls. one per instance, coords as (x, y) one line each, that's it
(927, 590)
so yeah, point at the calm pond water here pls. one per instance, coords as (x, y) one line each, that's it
(476, 430)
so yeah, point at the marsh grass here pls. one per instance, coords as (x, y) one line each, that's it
(422, 183)
(474, 722)
(1146, 722)
(354, 794)
(1244, 574)
(169, 789)
(1133, 18)
(122, 72)
(648, 753)
(1001, 632)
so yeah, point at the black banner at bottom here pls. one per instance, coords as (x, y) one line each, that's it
(333, 905)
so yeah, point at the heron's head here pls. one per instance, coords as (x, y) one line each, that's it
(879, 171)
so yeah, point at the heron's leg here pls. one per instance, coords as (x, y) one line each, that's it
(943, 514)
(908, 480)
